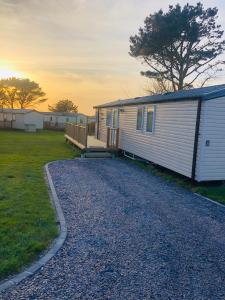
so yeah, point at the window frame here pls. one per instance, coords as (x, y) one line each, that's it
(143, 119)
(144, 130)
(108, 120)
(112, 112)
(153, 106)
(115, 112)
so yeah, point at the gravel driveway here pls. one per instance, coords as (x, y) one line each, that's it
(130, 236)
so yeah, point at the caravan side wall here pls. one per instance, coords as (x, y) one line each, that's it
(171, 144)
(19, 122)
(211, 150)
(34, 118)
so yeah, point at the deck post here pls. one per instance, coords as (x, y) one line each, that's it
(117, 138)
(86, 133)
(108, 137)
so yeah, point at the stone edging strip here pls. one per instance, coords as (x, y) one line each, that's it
(210, 200)
(57, 244)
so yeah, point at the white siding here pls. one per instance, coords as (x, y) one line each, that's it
(5, 116)
(19, 122)
(171, 144)
(34, 118)
(77, 118)
(211, 159)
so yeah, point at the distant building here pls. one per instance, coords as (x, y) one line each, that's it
(25, 119)
(57, 120)
(31, 120)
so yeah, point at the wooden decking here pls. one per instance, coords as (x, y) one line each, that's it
(92, 142)
(78, 135)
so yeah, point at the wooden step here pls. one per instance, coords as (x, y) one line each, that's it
(97, 155)
(98, 150)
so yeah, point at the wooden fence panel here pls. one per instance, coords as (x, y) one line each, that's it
(77, 133)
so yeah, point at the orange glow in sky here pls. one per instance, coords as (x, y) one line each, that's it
(78, 49)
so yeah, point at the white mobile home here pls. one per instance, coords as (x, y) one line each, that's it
(182, 131)
(25, 119)
(57, 120)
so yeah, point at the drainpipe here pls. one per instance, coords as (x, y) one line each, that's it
(195, 149)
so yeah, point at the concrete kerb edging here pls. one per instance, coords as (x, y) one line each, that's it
(57, 244)
(210, 200)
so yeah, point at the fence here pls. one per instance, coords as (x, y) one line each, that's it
(6, 124)
(77, 132)
(53, 125)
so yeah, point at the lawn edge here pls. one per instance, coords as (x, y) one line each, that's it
(187, 188)
(211, 200)
(57, 243)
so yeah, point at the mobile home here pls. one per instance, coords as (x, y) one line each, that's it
(183, 131)
(57, 120)
(25, 119)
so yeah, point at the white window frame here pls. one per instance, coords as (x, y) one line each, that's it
(112, 112)
(115, 112)
(144, 130)
(153, 106)
(108, 121)
(143, 119)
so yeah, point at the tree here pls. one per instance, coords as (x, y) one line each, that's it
(9, 89)
(30, 93)
(159, 86)
(21, 93)
(181, 46)
(2, 99)
(65, 105)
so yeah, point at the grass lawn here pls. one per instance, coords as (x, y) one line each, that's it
(27, 219)
(212, 190)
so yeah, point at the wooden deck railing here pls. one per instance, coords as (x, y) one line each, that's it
(113, 138)
(77, 132)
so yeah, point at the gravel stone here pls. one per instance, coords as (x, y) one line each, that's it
(131, 235)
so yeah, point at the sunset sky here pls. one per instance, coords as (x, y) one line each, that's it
(78, 49)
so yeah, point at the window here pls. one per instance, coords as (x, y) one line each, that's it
(115, 118)
(13, 117)
(140, 118)
(150, 118)
(109, 118)
(67, 119)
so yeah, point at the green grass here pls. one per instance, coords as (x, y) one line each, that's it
(27, 219)
(212, 190)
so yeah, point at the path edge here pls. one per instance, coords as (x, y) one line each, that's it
(57, 243)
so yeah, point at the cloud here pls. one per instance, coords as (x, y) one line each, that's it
(78, 47)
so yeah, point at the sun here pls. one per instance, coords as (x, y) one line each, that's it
(8, 73)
